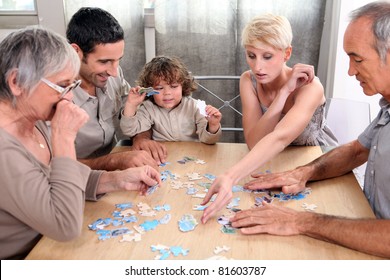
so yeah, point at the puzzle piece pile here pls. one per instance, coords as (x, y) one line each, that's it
(126, 215)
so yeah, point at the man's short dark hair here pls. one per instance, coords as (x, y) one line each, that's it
(89, 27)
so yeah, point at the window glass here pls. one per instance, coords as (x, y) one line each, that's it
(17, 5)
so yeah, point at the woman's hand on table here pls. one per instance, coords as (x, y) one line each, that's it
(222, 186)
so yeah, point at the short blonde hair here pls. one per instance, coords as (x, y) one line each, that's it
(268, 29)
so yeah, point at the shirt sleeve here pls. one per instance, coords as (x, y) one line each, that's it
(365, 138)
(140, 122)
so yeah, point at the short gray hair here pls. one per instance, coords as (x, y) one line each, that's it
(35, 53)
(379, 14)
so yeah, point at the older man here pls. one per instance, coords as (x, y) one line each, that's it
(367, 43)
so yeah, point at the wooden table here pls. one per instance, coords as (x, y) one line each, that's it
(340, 196)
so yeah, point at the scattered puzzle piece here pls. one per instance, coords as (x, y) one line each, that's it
(148, 213)
(176, 185)
(194, 176)
(219, 249)
(192, 190)
(228, 229)
(129, 238)
(187, 223)
(199, 195)
(209, 176)
(149, 225)
(124, 206)
(309, 207)
(233, 203)
(165, 251)
(199, 207)
(164, 220)
(151, 189)
(177, 250)
(127, 212)
(165, 207)
(121, 231)
(200, 161)
(188, 184)
(143, 206)
(139, 229)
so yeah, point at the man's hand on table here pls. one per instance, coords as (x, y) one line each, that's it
(292, 181)
(156, 149)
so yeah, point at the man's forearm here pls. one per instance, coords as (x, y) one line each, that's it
(100, 163)
(365, 235)
(337, 162)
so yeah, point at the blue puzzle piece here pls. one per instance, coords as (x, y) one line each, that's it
(237, 188)
(187, 223)
(151, 190)
(191, 191)
(120, 231)
(165, 207)
(124, 206)
(117, 222)
(211, 177)
(164, 220)
(149, 225)
(233, 203)
(94, 225)
(164, 254)
(177, 250)
(131, 219)
(104, 234)
(149, 91)
(117, 214)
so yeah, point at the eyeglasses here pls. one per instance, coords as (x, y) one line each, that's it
(62, 91)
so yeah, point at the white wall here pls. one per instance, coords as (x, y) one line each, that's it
(344, 85)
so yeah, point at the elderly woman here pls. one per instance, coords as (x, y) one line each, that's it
(43, 185)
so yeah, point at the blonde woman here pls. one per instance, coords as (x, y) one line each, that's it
(281, 105)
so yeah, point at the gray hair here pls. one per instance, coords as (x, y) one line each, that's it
(379, 14)
(35, 53)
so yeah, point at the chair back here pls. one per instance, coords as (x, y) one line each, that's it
(347, 118)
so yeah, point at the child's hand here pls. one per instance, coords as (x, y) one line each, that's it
(214, 117)
(134, 99)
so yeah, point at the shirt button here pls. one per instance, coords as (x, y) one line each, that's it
(374, 147)
(372, 172)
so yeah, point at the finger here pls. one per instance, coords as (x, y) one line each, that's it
(293, 188)
(162, 153)
(261, 184)
(254, 229)
(220, 201)
(208, 196)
